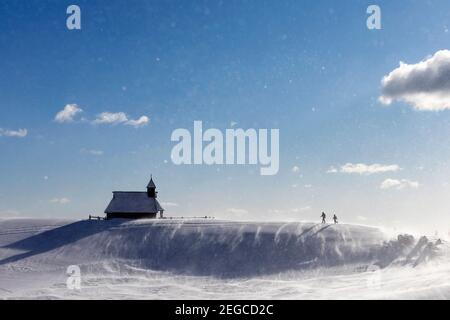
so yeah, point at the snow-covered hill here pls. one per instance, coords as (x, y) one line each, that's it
(217, 259)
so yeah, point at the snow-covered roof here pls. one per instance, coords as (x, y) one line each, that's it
(133, 202)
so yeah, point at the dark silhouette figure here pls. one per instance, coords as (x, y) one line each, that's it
(335, 218)
(323, 216)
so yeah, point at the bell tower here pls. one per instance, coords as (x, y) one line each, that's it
(151, 189)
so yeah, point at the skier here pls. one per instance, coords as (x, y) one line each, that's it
(335, 218)
(323, 216)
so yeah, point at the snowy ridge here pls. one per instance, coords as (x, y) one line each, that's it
(208, 259)
(208, 247)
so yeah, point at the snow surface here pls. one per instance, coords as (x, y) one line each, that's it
(210, 259)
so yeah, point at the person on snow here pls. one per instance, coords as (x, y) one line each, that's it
(335, 218)
(323, 216)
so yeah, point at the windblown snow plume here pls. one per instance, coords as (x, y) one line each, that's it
(172, 258)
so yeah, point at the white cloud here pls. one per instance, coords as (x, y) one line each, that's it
(120, 118)
(71, 110)
(21, 133)
(332, 170)
(364, 169)
(92, 152)
(301, 209)
(111, 118)
(295, 169)
(142, 121)
(398, 184)
(424, 85)
(68, 113)
(60, 200)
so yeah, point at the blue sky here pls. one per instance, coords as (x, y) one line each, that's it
(310, 68)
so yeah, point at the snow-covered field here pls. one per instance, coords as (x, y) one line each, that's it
(210, 259)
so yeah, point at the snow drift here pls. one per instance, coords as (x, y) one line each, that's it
(207, 247)
(209, 259)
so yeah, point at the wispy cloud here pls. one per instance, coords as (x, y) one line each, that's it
(142, 121)
(398, 184)
(92, 152)
(364, 169)
(60, 200)
(110, 118)
(20, 133)
(424, 85)
(68, 113)
(332, 169)
(295, 169)
(120, 118)
(301, 209)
